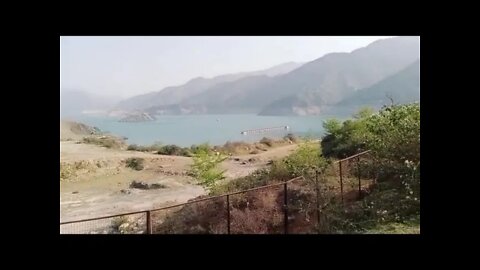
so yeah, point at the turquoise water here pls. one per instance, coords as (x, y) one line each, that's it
(185, 130)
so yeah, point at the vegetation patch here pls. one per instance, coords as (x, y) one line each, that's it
(71, 170)
(135, 163)
(105, 141)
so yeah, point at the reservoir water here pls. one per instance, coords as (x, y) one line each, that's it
(185, 130)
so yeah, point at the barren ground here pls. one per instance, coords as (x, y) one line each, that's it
(96, 190)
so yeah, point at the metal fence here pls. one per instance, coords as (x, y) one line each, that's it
(351, 178)
(291, 206)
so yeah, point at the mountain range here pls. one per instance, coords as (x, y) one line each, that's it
(335, 81)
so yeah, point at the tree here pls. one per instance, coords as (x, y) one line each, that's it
(205, 166)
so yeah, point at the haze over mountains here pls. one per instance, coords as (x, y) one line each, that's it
(74, 102)
(335, 82)
(177, 94)
(402, 87)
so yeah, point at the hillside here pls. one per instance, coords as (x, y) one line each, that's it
(327, 80)
(176, 94)
(403, 87)
(70, 130)
(312, 87)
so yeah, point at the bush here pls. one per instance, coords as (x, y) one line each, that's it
(105, 141)
(393, 135)
(204, 167)
(204, 147)
(69, 170)
(343, 140)
(173, 150)
(151, 148)
(135, 163)
(306, 160)
(267, 141)
(133, 147)
(235, 147)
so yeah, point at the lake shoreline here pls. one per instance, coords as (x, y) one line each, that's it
(185, 131)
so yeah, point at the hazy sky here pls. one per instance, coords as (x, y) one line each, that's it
(127, 66)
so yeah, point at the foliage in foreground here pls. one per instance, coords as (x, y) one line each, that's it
(205, 166)
(393, 135)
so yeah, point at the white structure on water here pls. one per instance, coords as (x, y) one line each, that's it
(261, 130)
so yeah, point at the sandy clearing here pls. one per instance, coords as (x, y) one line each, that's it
(99, 191)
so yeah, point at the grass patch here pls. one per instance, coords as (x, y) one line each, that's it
(105, 141)
(412, 227)
(135, 163)
(70, 170)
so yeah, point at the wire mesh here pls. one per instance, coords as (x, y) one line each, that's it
(204, 217)
(126, 224)
(258, 211)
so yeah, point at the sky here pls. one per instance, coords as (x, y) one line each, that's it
(127, 66)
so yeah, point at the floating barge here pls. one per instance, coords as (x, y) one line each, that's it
(262, 130)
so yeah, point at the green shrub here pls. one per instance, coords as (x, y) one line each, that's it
(204, 147)
(135, 163)
(173, 150)
(305, 160)
(393, 135)
(205, 167)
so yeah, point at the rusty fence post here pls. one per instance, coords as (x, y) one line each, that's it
(341, 180)
(149, 223)
(228, 214)
(285, 206)
(318, 201)
(359, 181)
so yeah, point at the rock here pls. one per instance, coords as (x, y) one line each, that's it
(270, 162)
(75, 192)
(140, 185)
(236, 159)
(252, 160)
(244, 162)
(125, 191)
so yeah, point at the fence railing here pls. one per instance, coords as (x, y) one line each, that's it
(143, 221)
(347, 160)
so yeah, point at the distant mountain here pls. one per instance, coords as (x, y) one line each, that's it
(321, 83)
(76, 102)
(290, 89)
(177, 94)
(402, 87)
